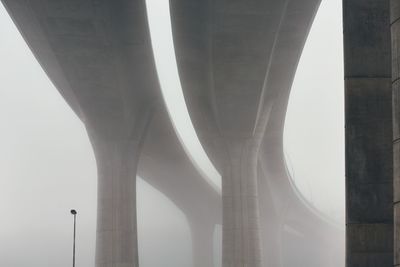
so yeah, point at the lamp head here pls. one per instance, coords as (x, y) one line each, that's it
(73, 212)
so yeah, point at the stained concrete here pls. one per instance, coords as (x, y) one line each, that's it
(395, 31)
(368, 100)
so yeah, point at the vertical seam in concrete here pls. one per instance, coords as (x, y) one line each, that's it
(271, 56)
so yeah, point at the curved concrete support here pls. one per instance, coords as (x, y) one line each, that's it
(117, 154)
(116, 238)
(223, 50)
(241, 229)
(90, 51)
(29, 25)
(273, 248)
(106, 75)
(288, 209)
(165, 165)
(98, 56)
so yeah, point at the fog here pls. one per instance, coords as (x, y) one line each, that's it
(48, 167)
(314, 127)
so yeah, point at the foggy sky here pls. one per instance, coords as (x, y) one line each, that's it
(48, 167)
(314, 127)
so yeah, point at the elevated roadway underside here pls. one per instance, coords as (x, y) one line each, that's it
(98, 55)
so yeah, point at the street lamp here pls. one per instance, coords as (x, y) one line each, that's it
(73, 212)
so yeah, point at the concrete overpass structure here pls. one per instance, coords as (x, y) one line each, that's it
(237, 61)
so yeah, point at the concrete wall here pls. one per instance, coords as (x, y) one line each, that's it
(368, 99)
(395, 30)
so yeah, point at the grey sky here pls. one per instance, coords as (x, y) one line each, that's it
(48, 167)
(314, 127)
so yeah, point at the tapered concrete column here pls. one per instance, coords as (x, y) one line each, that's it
(270, 221)
(241, 226)
(369, 164)
(117, 151)
(202, 243)
(116, 241)
(395, 31)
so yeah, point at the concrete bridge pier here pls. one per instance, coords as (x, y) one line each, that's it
(116, 240)
(241, 226)
(117, 157)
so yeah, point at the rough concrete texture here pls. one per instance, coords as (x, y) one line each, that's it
(368, 98)
(395, 31)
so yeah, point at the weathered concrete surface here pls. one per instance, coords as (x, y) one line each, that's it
(395, 31)
(369, 168)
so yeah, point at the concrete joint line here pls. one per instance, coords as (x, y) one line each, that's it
(394, 22)
(395, 80)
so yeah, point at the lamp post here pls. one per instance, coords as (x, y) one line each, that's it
(73, 212)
